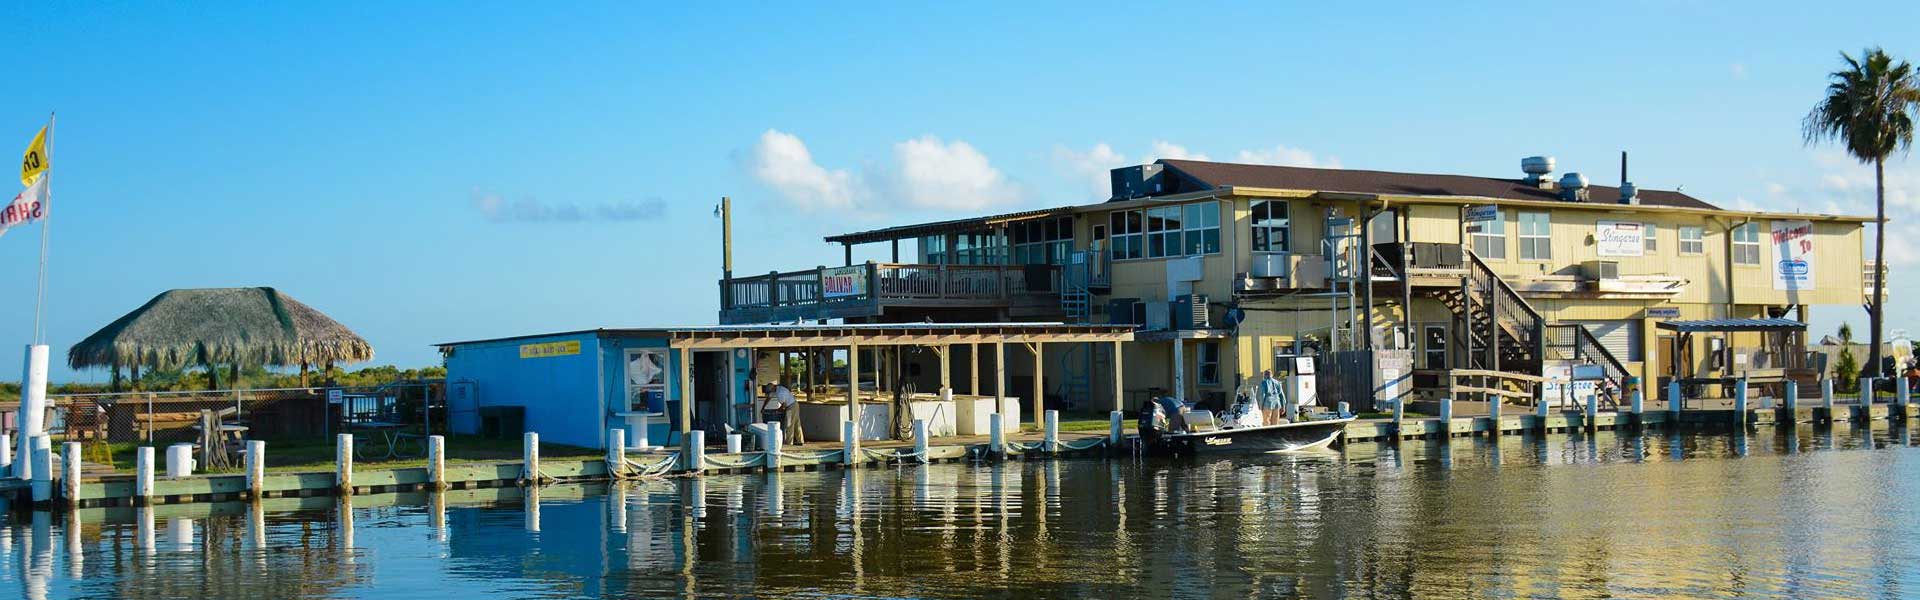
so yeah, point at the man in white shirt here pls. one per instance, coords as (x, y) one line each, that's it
(778, 406)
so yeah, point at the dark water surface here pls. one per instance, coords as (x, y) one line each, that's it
(1803, 514)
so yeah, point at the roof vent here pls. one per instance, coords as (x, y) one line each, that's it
(1537, 168)
(1629, 194)
(1573, 187)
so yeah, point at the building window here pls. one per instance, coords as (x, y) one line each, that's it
(979, 249)
(1128, 236)
(1536, 236)
(1746, 244)
(933, 249)
(1203, 228)
(1653, 237)
(1209, 363)
(1436, 346)
(1272, 227)
(1042, 242)
(1163, 231)
(1693, 240)
(1490, 239)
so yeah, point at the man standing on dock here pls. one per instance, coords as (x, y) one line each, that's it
(1272, 398)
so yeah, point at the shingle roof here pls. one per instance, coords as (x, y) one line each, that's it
(1218, 175)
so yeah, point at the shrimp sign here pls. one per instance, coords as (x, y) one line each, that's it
(1793, 251)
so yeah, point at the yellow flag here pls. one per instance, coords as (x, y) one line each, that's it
(35, 161)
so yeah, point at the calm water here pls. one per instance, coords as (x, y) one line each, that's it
(1808, 514)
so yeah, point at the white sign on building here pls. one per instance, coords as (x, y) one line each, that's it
(1620, 238)
(1793, 255)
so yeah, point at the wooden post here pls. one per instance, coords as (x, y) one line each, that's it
(772, 445)
(1901, 394)
(1050, 428)
(6, 455)
(70, 474)
(973, 368)
(256, 463)
(694, 452)
(437, 461)
(685, 387)
(1677, 401)
(1446, 416)
(1000, 378)
(530, 458)
(343, 464)
(143, 475)
(946, 368)
(1119, 392)
(1740, 403)
(42, 456)
(997, 434)
(1866, 400)
(1399, 416)
(1826, 397)
(1180, 371)
(920, 441)
(853, 382)
(1792, 400)
(850, 443)
(1592, 412)
(1116, 424)
(1493, 416)
(1039, 388)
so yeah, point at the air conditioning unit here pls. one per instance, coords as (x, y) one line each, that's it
(1125, 311)
(1272, 266)
(1603, 270)
(1156, 315)
(1190, 312)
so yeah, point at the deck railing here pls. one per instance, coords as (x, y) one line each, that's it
(889, 281)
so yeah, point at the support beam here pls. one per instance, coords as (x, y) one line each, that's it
(1000, 378)
(973, 368)
(1039, 386)
(946, 367)
(685, 387)
(1119, 389)
(1179, 370)
(853, 383)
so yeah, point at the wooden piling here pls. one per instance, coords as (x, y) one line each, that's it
(920, 440)
(42, 464)
(1050, 428)
(70, 475)
(256, 465)
(1116, 426)
(343, 464)
(695, 451)
(143, 475)
(997, 434)
(772, 445)
(616, 451)
(850, 443)
(1446, 416)
(437, 462)
(6, 454)
(530, 458)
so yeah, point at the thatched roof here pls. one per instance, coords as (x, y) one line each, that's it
(249, 326)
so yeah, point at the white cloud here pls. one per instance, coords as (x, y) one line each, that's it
(931, 173)
(781, 161)
(496, 208)
(1091, 167)
(1287, 157)
(1164, 149)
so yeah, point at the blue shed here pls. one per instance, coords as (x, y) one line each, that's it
(574, 386)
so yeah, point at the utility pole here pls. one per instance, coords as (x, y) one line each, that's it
(725, 212)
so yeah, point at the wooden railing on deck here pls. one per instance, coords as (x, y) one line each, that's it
(895, 281)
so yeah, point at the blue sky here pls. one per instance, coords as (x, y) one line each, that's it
(433, 172)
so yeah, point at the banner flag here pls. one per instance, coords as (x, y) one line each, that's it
(29, 206)
(35, 161)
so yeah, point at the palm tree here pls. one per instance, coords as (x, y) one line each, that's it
(1869, 108)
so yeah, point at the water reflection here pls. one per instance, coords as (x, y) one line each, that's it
(1579, 515)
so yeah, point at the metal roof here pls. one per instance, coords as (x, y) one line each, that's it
(952, 226)
(1719, 325)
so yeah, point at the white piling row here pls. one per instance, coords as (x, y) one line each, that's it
(1446, 415)
(920, 440)
(530, 458)
(695, 451)
(256, 465)
(1116, 426)
(1865, 410)
(70, 474)
(850, 443)
(772, 445)
(343, 463)
(1675, 402)
(42, 465)
(437, 462)
(1051, 432)
(616, 451)
(997, 433)
(143, 475)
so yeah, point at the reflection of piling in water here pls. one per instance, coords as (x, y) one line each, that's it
(180, 532)
(532, 506)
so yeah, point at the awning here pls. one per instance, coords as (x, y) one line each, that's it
(953, 226)
(1732, 325)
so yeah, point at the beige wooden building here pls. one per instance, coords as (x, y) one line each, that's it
(1227, 266)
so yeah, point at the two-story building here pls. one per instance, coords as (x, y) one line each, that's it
(1224, 266)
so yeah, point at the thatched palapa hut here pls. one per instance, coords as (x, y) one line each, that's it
(220, 326)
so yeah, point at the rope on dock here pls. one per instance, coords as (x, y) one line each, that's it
(894, 455)
(756, 460)
(648, 471)
(1089, 444)
(821, 456)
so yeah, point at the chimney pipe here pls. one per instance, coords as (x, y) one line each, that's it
(1628, 193)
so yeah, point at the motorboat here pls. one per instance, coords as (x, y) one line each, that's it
(1170, 428)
